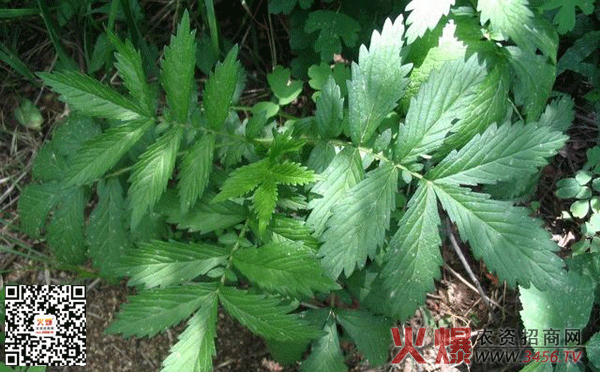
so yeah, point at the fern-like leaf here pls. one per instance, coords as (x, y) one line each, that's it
(378, 81)
(442, 100)
(289, 173)
(510, 242)
(221, 88)
(101, 153)
(359, 222)
(152, 173)
(196, 346)
(498, 154)
(264, 201)
(413, 259)
(35, 202)
(242, 180)
(287, 268)
(155, 310)
(266, 316)
(65, 230)
(159, 263)
(196, 166)
(177, 74)
(90, 97)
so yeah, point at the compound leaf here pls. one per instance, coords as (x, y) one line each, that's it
(159, 263)
(266, 315)
(343, 173)
(242, 180)
(35, 203)
(371, 333)
(333, 27)
(196, 346)
(264, 201)
(152, 173)
(106, 234)
(155, 310)
(196, 166)
(91, 97)
(101, 153)
(510, 242)
(289, 173)
(378, 81)
(177, 75)
(565, 17)
(498, 154)
(65, 230)
(425, 15)
(442, 101)
(220, 89)
(326, 355)
(288, 268)
(413, 259)
(359, 221)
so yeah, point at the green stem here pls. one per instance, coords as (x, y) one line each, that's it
(212, 25)
(235, 248)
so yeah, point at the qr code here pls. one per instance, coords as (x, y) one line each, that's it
(45, 325)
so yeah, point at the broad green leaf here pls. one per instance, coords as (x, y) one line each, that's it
(35, 203)
(378, 81)
(73, 133)
(266, 315)
(289, 173)
(344, 172)
(319, 75)
(177, 74)
(49, 164)
(155, 310)
(286, 352)
(220, 89)
(91, 97)
(321, 156)
(413, 260)
(333, 27)
(106, 234)
(510, 242)
(567, 188)
(264, 202)
(326, 355)
(65, 230)
(196, 167)
(152, 173)
(330, 110)
(242, 180)
(425, 15)
(559, 114)
(592, 349)
(371, 333)
(101, 153)
(565, 17)
(498, 154)
(130, 67)
(196, 346)
(442, 101)
(359, 221)
(285, 89)
(159, 263)
(565, 304)
(535, 78)
(293, 229)
(288, 268)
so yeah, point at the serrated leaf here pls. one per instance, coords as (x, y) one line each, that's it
(574, 57)
(333, 27)
(220, 89)
(413, 259)
(266, 315)
(592, 349)
(371, 333)
(49, 165)
(159, 263)
(566, 304)
(565, 17)
(442, 101)
(106, 234)
(344, 172)
(101, 153)
(289, 173)
(196, 167)
(325, 355)
(177, 74)
(425, 15)
(293, 229)
(498, 154)
(288, 268)
(510, 242)
(65, 230)
(130, 67)
(330, 110)
(91, 97)
(242, 180)
(285, 89)
(152, 173)
(559, 114)
(155, 310)
(73, 133)
(378, 81)
(359, 221)
(264, 202)
(196, 346)
(535, 78)
(35, 202)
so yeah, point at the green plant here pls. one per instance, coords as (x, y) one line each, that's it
(289, 223)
